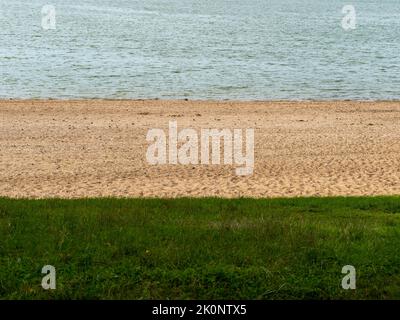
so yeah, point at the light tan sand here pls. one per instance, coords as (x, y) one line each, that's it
(97, 148)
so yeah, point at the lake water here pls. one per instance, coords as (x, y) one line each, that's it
(200, 49)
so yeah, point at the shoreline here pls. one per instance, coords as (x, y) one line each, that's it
(2, 100)
(97, 148)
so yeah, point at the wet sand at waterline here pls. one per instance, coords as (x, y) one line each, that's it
(94, 148)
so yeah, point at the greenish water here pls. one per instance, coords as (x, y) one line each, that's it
(209, 49)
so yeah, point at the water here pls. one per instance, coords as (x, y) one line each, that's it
(208, 49)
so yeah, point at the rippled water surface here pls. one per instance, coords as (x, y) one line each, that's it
(208, 49)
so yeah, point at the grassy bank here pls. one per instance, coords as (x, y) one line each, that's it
(200, 248)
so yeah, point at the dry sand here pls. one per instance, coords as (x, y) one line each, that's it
(97, 148)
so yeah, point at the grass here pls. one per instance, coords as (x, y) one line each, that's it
(200, 248)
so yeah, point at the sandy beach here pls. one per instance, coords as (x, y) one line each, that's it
(97, 148)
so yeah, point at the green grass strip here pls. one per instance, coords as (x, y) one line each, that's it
(200, 248)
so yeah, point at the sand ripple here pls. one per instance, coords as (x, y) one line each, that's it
(97, 148)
